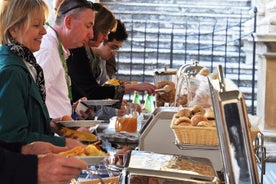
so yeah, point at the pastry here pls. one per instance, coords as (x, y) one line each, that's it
(183, 121)
(203, 124)
(198, 110)
(182, 100)
(198, 118)
(184, 113)
(165, 93)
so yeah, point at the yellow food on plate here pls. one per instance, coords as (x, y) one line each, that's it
(89, 150)
(82, 136)
(114, 82)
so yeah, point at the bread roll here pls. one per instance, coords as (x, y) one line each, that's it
(198, 118)
(183, 121)
(198, 110)
(203, 124)
(184, 113)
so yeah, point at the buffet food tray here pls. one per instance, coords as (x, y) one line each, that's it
(121, 137)
(104, 102)
(170, 167)
(80, 123)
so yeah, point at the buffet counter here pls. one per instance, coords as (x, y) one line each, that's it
(204, 137)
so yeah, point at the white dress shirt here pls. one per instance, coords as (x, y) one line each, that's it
(48, 57)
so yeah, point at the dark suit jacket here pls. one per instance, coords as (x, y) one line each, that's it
(84, 84)
(15, 167)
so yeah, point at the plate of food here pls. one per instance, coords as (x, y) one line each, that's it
(90, 154)
(80, 135)
(99, 102)
(81, 123)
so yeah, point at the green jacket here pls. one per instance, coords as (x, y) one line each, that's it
(23, 114)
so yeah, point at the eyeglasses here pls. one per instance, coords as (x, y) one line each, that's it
(114, 48)
(87, 4)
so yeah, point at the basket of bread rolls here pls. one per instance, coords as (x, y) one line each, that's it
(196, 126)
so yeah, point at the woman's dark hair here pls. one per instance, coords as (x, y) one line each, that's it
(104, 20)
(119, 34)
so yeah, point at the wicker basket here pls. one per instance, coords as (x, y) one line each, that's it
(196, 135)
(193, 135)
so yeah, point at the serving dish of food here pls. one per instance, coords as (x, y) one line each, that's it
(99, 102)
(91, 154)
(80, 123)
(82, 136)
(173, 168)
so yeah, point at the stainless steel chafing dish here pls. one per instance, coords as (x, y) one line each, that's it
(148, 167)
(234, 135)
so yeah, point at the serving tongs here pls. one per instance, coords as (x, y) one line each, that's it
(92, 173)
(221, 78)
(165, 89)
(234, 134)
(89, 173)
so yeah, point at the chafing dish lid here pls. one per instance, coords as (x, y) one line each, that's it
(171, 166)
(190, 69)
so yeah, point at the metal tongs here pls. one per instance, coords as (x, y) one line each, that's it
(90, 173)
(165, 89)
(221, 78)
(95, 174)
(234, 134)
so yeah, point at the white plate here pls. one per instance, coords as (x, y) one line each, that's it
(99, 102)
(81, 123)
(92, 160)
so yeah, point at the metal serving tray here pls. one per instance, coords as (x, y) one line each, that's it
(146, 166)
(234, 135)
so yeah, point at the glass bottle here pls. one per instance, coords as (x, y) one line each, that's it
(136, 98)
(149, 103)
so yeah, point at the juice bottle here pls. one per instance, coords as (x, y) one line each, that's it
(128, 124)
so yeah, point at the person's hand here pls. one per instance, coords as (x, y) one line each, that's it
(53, 125)
(145, 86)
(75, 104)
(58, 169)
(72, 143)
(88, 114)
(81, 114)
(38, 147)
